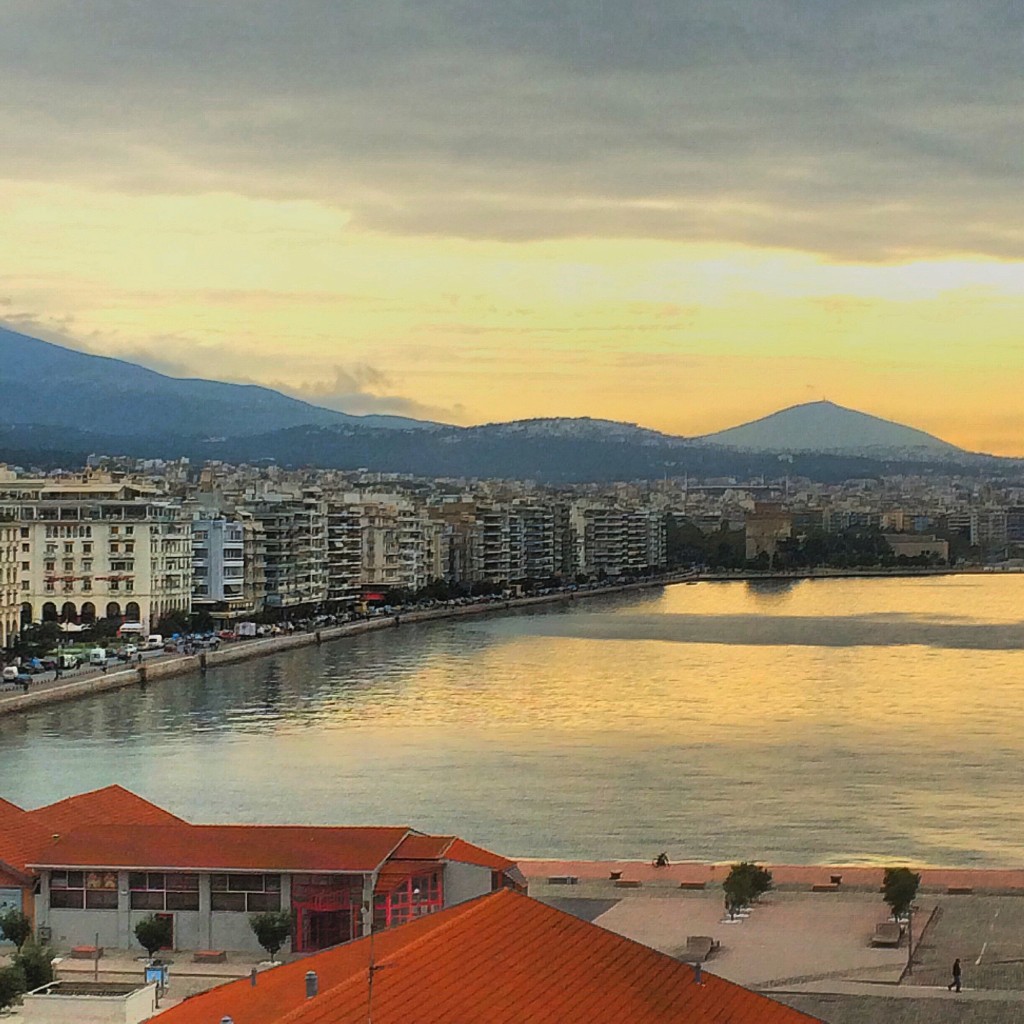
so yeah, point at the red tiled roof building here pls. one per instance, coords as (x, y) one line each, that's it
(101, 861)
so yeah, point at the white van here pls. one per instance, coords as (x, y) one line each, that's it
(98, 656)
(155, 642)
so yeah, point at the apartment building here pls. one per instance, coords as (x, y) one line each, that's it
(10, 605)
(613, 540)
(98, 548)
(294, 528)
(228, 567)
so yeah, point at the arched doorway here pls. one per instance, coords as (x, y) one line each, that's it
(113, 610)
(88, 614)
(69, 613)
(49, 612)
(131, 612)
(26, 614)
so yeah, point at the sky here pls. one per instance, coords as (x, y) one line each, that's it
(680, 214)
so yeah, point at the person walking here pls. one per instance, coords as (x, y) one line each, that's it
(955, 983)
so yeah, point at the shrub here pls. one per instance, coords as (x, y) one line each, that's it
(12, 984)
(35, 962)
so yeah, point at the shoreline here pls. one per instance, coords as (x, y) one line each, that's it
(245, 650)
(707, 876)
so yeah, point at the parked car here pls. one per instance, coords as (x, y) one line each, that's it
(10, 674)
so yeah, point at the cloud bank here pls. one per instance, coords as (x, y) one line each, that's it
(864, 130)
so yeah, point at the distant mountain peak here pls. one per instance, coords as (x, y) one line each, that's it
(827, 427)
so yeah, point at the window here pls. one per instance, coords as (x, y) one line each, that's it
(50, 566)
(114, 585)
(24, 531)
(69, 548)
(114, 548)
(26, 547)
(67, 890)
(250, 893)
(156, 890)
(130, 530)
(86, 583)
(69, 566)
(25, 566)
(87, 549)
(101, 890)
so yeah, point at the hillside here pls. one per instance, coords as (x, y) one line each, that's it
(49, 385)
(827, 427)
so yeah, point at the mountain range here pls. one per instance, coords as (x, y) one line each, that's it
(58, 405)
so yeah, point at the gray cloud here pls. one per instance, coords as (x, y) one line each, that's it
(361, 390)
(865, 129)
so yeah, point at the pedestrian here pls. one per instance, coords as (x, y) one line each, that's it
(956, 976)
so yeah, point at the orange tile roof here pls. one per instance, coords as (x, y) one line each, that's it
(467, 853)
(223, 847)
(499, 959)
(419, 847)
(20, 836)
(112, 805)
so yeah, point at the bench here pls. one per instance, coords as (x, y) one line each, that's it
(959, 890)
(693, 885)
(887, 933)
(564, 880)
(209, 956)
(699, 948)
(825, 887)
(86, 953)
(628, 883)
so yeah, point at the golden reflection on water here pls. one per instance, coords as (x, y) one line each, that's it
(577, 674)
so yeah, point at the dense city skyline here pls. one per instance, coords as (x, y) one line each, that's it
(672, 216)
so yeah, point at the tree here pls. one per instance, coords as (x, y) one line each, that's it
(12, 984)
(15, 926)
(36, 963)
(154, 933)
(745, 882)
(172, 622)
(272, 929)
(899, 888)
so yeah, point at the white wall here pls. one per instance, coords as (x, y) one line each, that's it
(464, 882)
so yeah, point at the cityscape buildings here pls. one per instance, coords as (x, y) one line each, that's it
(134, 542)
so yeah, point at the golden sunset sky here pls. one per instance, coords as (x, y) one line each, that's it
(678, 214)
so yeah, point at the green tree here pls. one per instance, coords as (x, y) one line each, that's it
(153, 933)
(899, 888)
(36, 963)
(36, 640)
(272, 929)
(12, 984)
(171, 623)
(745, 882)
(15, 926)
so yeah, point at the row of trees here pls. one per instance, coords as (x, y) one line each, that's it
(272, 930)
(747, 881)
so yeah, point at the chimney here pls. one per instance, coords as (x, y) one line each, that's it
(698, 972)
(252, 977)
(312, 984)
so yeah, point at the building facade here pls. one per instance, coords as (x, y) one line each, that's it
(90, 550)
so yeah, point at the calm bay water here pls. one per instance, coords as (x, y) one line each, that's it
(823, 721)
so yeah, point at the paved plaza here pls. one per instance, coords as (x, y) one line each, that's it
(812, 950)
